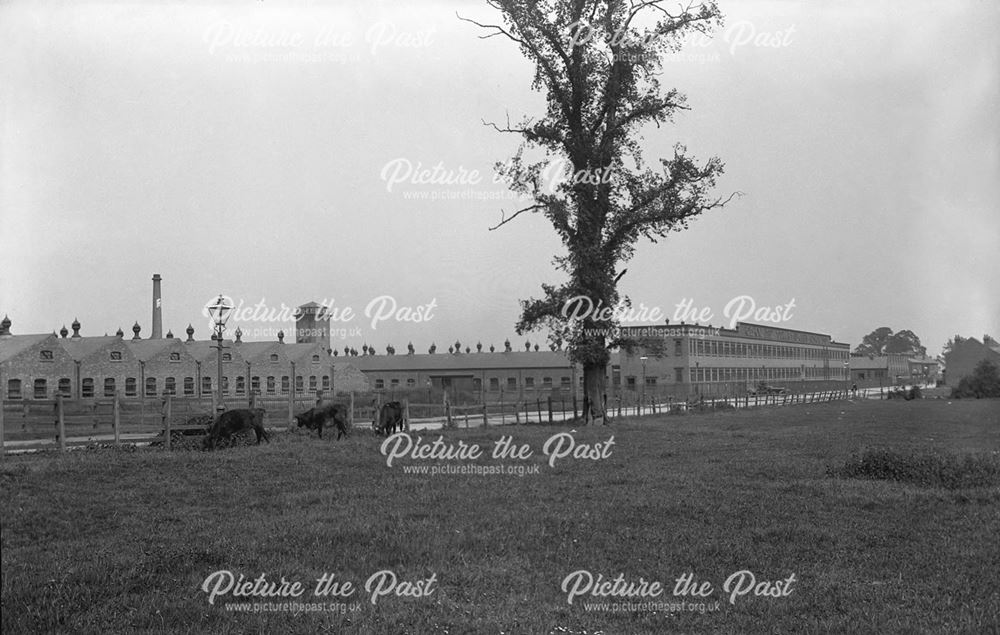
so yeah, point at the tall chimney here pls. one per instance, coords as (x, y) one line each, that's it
(157, 310)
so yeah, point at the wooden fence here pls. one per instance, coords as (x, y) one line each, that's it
(27, 425)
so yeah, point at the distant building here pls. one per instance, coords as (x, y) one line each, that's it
(311, 326)
(965, 355)
(687, 360)
(40, 366)
(513, 375)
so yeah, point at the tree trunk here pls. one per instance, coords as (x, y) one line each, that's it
(594, 392)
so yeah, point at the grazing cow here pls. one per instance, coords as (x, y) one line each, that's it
(232, 422)
(390, 418)
(316, 418)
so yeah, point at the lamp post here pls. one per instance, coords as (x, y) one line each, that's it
(220, 312)
(643, 403)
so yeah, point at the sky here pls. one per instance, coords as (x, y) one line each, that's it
(274, 152)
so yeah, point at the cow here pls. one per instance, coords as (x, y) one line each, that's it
(316, 418)
(390, 418)
(233, 422)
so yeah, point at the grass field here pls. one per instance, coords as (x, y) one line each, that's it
(116, 541)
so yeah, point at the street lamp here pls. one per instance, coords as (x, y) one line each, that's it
(643, 358)
(220, 312)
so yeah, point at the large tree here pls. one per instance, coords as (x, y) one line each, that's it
(882, 341)
(598, 65)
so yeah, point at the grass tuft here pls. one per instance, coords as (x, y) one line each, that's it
(926, 467)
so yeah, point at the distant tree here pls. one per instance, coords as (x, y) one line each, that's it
(599, 64)
(905, 342)
(983, 383)
(875, 342)
(882, 341)
(949, 346)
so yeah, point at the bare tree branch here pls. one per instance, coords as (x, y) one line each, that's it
(504, 220)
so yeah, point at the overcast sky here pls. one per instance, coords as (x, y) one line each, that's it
(252, 148)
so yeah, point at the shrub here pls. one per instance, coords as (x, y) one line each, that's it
(983, 383)
(924, 467)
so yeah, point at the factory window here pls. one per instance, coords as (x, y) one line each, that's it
(46, 356)
(87, 389)
(65, 387)
(270, 385)
(170, 386)
(312, 383)
(151, 386)
(299, 384)
(529, 382)
(547, 382)
(315, 359)
(379, 384)
(109, 386)
(286, 384)
(189, 386)
(325, 382)
(566, 382)
(225, 385)
(227, 357)
(512, 383)
(651, 381)
(130, 387)
(116, 356)
(41, 389)
(241, 385)
(616, 376)
(494, 383)
(630, 382)
(679, 375)
(477, 384)
(411, 382)
(394, 383)
(274, 357)
(175, 357)
(13, 389)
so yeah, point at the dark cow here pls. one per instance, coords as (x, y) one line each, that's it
(390, 418)
(233, 422)
(316, 418)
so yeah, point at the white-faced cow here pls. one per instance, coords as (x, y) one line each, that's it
(316, 418)
(233, 422)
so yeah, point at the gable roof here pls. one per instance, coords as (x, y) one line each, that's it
(82, 347)
(13, 345)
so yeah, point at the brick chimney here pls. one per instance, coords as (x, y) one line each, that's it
(157, 310)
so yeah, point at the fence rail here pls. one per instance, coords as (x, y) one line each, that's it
(60, 423)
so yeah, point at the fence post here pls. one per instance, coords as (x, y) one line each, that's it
(503, 414)
(406, 414)
(60, 423)
(485, 420)
(538, 404)
(517, 412)
(3, 395)
(350, 414)
(166, 422)
(550, 409)
(116, 420)
(447, 408)
(291, 399)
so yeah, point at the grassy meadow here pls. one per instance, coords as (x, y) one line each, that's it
(122, 540)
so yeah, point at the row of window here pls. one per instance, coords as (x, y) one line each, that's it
(716, 348)
(151, 389)
(494, 383)
(764, 374)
